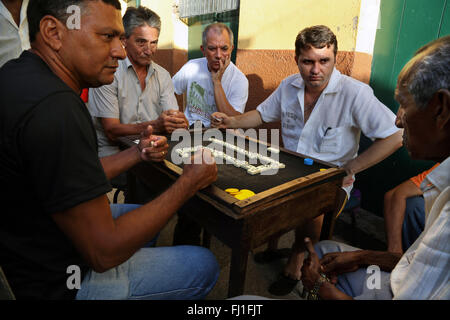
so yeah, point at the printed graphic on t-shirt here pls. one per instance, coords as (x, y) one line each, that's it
(197, 103)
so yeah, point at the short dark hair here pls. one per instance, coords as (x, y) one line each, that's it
(138, 17)
(317, 37)
(37, 9)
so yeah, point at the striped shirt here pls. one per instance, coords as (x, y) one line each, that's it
(423, 271)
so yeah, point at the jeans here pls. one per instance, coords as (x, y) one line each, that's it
(414, 221)
(161, 273)
(354, 283)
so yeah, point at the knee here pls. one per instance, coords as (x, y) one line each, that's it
(204, 263)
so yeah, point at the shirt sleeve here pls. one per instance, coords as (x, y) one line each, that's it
(270, 109)
(61, 160)
(179, 81)
(375, 119)
(167, 96)
(427, 274)
(103, 101)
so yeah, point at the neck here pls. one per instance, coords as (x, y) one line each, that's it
(139, 68)
(51, 58)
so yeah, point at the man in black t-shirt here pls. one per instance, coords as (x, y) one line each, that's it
(58, 239)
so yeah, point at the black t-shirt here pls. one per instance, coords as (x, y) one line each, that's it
(48, 164)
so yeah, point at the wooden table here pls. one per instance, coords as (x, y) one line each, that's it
(247, 224)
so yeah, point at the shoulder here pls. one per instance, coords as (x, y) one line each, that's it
(353, 86)
(160, 70)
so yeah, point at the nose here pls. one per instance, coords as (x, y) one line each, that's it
(398, 119)
(118, 50)
(315, 68)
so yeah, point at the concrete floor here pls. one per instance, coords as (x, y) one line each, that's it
(368, 233)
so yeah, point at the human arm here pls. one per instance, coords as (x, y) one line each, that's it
(378, 151)
(334, 264)
(251, 119)
(150, 148)
(394, 213)
(222, 103)
(105, 242)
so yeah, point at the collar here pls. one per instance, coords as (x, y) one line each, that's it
(332, 87)
(23, 13)
(440, 176)
(150, 68)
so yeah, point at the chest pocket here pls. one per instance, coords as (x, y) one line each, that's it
(332, 140)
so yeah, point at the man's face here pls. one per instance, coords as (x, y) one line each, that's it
(418, 133)
(316, 66)
(92, 52)
(141, 45)
(218, 47)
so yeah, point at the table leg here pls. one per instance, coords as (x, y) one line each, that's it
(238, 270)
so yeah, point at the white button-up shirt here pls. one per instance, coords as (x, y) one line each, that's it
(124, 99)
(423, 271)
(13, 39)
(344, 109)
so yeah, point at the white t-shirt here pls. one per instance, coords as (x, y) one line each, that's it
(194, 78)
(344, 109)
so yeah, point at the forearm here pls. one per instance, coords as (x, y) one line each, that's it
(251, 119)
(121, 129)
(377, 152)
(222, 103)
(328, 291)
(120, 162)
(386, 261)
(134, 229)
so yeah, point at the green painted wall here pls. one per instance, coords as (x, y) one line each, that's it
(405, 26)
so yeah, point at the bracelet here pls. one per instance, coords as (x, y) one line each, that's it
(314, 293)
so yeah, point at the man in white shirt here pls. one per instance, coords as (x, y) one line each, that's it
(212, 83)
(13, 29)
(142, 91)
(422, 272)
(322, 115)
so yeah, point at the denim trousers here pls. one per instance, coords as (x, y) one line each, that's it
(414, 221)
(356, 284)
(160, 273)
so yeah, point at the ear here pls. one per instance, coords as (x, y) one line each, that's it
(442, 109)
(296, 59)
(51, 32)
(202, 49)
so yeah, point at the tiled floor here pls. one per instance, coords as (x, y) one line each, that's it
(368, 233)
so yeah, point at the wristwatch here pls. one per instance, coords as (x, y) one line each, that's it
(314, 293)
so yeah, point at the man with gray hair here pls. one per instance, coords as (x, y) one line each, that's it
(337, 271)
(142, 92)
(212, 83)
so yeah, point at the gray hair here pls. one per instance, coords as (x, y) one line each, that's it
(428, 71)
(217, 27)
(138, 17)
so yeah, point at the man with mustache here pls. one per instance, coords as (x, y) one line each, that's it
(322, 115)
(141, 93)
(64, 241)
(337, 271)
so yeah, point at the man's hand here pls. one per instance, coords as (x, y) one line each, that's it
(172, 120)
(217, 75)
(337, 263)
(151, 147)
(220, 120)
(311, 266)
(202, 169)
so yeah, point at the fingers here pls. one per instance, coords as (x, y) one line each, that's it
(309, 246)
(147, 132)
